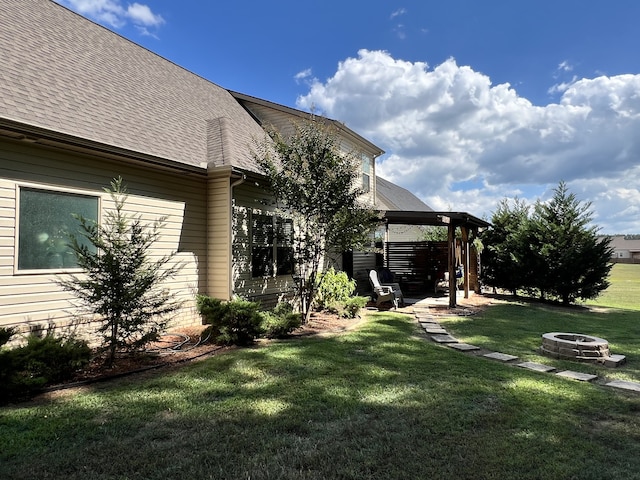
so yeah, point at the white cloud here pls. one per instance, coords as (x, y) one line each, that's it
(114, 14)
(459, 142)
(399, 12)
(565, 66)
(305, 76)
(142, 15)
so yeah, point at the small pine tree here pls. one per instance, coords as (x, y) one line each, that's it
(121, 284)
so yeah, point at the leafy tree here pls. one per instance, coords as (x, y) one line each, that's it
(434, 233)
(314, 184)
(573, 262)
(121, 284)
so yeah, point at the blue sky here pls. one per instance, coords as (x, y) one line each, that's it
(473, 101)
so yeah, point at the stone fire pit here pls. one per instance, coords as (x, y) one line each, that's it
(577, 346)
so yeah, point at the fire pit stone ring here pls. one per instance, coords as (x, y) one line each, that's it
(575, 346)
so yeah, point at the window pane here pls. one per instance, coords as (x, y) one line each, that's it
(262, 230)
(284, 228)
(261, 261)
(366, 183)
(46, 221)
(285, 261)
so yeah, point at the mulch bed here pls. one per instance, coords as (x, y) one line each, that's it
(183, 345)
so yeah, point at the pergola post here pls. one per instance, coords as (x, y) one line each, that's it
(465, 259)
(451, 240)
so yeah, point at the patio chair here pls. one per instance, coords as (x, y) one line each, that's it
(385, 293)
(442, 285)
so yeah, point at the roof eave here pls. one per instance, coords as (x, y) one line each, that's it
(45, 137)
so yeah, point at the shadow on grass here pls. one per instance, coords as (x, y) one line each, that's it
(377, 402)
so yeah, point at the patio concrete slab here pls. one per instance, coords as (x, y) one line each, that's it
(444, 339)
(583, 377)
(633, 386)
(538, 367)
(463, 347)
(502, 357)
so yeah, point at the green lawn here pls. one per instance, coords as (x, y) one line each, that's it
(379, 402)
(515, 327)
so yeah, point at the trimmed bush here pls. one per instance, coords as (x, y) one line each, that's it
(42, 361)
(231, 323)
(281, 321)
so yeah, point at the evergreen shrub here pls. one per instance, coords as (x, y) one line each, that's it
(41, 361)
(231, 323)
(281, 321)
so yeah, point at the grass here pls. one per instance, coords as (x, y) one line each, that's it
(379, 402)
(516, 326)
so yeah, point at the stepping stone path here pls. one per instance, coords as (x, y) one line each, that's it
(583, 377)
(634, 386)
(440, 335)
(503, 357)
(538, 367)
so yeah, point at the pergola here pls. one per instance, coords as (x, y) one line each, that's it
(467, 223)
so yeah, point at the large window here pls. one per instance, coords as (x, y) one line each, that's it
(47, 218)
(366, 173)
(271, 246)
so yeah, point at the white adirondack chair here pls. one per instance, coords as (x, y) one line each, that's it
(385, 293)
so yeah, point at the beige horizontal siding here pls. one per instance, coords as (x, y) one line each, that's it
(35, 297)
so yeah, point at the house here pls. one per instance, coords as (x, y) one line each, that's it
(626, 248)
(272, 115)
(391, 197)
(81, 105)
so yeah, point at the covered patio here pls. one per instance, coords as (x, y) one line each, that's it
(468, 225)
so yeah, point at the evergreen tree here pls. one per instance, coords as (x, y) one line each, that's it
(315, 185)
(573, 263)
(506, 260)
(121, 283)
(554, 252)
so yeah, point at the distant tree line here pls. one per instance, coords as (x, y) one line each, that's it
(550, 249)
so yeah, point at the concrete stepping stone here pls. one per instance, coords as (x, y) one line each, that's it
(427, 323)
(464, 347)
(435, 330)
(613, 361)
(502, 357)
(633, 386)
(444, 339)
(583, 377)
(538, 367)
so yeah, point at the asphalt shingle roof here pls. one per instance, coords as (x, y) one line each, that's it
(393, 197)
(64, 73)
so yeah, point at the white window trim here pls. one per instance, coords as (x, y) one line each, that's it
(16, 239)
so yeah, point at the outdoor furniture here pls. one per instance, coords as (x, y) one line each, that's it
(442, 285)
(385, 293)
